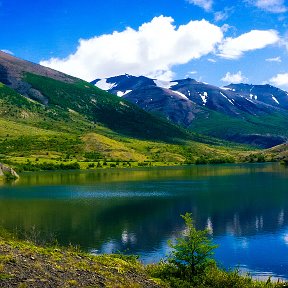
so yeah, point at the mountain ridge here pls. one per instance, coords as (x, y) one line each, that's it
(193, 105)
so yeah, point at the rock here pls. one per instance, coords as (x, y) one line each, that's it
(7, 172)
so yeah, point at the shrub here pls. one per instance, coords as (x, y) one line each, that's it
(192, 253)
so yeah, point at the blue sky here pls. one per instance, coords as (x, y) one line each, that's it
(212, 41)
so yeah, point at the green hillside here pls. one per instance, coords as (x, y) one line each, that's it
(101, 131)
(103, 108)
(50, 120)
(222, 126)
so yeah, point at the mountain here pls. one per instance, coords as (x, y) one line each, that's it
(253, 114)
(50, 120)
(65, 94)
(264, 93)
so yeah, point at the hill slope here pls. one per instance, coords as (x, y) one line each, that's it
(63, 94)
(48, 118)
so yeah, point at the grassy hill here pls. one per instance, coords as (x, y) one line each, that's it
(32, 133)
(50, 120)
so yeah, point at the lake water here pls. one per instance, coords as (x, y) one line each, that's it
(137, 211)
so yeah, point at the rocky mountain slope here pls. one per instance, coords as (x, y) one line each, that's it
(254, 114)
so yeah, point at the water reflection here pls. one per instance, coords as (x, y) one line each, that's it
(243, 206)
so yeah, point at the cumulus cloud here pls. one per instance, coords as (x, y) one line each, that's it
(233, 48)
(280, 80)
(273, 6)
(234, 78)
(205, 4)
(152, 50)
(275, 59)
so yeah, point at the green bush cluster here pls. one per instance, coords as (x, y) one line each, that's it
(219, 160)
(48, 166)
(255, 158)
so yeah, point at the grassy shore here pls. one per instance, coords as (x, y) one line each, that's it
(24, 264)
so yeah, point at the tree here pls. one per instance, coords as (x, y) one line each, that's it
(192, 253)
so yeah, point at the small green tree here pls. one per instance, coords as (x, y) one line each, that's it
(192, 253)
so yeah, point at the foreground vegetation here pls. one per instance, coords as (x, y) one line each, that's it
(24, 264)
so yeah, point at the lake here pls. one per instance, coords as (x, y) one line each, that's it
(137, 210)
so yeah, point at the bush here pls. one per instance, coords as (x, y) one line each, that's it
(48, 166)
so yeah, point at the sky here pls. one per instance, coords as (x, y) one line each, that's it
(213, 41)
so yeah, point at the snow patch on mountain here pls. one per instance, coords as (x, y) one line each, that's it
(121, 93)
(181, 94)
(275, 99)
(248, 99)
(227, 98)
(204, 97)
(252, 96)
(104, 85)
(164, 84)
(227, 88)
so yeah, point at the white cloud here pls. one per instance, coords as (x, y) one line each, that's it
(7, 51)
(151, 50)
(233, 48)
(205, 4)
(220, 16)
(224, 14)
(226, 27)
(234, 78)
(191, 74)
(273, 6)
(280, 80)
(275, 59)
(211, 60)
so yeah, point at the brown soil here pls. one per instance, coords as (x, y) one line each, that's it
(24, 265)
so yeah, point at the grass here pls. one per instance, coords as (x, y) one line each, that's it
(44, 150)
(26, 142)
(22, 264)
(213, 277)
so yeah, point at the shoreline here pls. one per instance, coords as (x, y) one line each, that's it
(24, 264)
